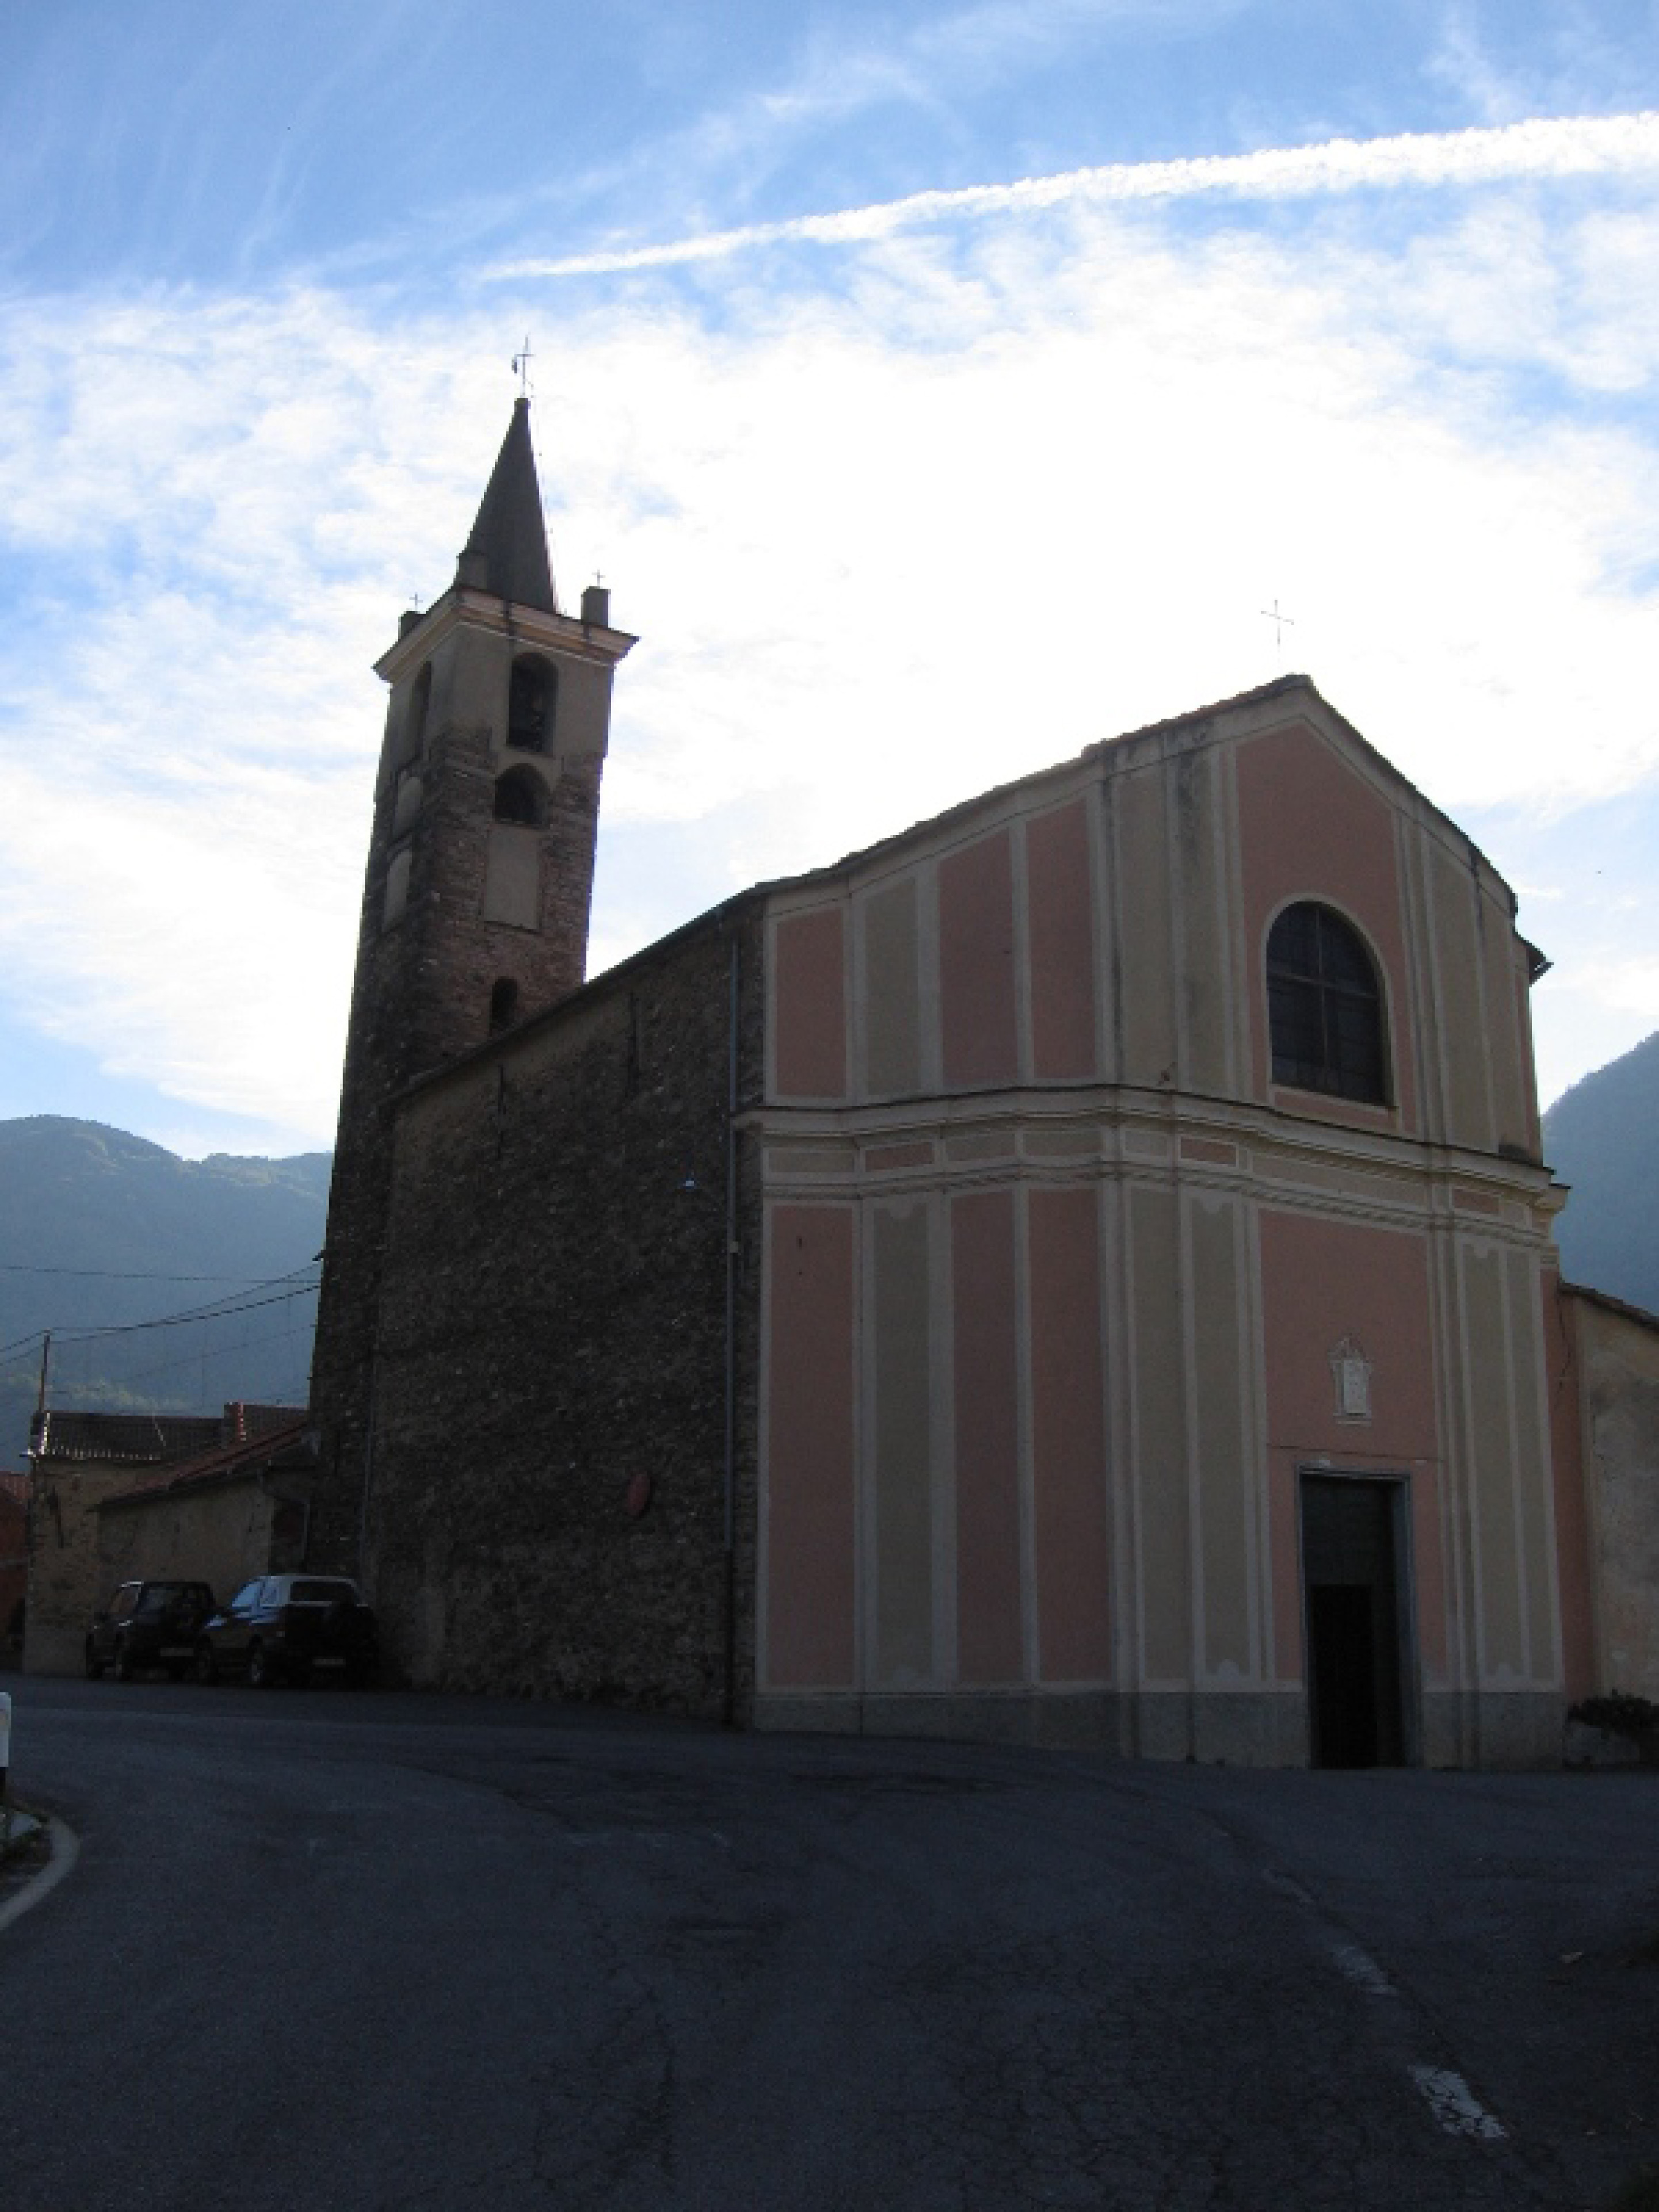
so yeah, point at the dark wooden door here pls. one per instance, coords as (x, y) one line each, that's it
(1356, 1615)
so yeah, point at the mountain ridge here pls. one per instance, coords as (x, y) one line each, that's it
(114, 1243)
(1599, 1138)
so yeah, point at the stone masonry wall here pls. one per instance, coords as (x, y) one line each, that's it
(222, 1534)
(1618, 1352)
(421, 998)
(553, 1339)
(67, 1578)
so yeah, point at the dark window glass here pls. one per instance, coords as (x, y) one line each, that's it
(503, 1003)
(1324, 1008)
(530, 696)
(522, 796)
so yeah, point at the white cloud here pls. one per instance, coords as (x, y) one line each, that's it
(1629, 986)
(991, 495)
(1540, 148)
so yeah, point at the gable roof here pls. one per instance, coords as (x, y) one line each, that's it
(1609, 1304)
(1109, 752)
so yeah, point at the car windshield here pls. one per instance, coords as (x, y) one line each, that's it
(315, 1593)
(158, 1597)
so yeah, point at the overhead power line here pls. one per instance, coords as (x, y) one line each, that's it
(127, 1274)
(216, 1309)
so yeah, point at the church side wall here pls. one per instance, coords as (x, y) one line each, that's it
(544, 1510)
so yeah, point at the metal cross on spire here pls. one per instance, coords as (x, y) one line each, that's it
(1279, 621)
(521, 362)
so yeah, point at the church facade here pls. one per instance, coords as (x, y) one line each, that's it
(1078, 1272)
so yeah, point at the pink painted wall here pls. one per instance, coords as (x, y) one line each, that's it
(1068, 1439)
(977, 963)
(1322, 1281)
(1061, 913)
(810, 1582)
(989, 1631)
(810, 1006)
(1311, 827)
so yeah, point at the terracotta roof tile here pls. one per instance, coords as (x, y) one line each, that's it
(255, 1451)
(156, 1439)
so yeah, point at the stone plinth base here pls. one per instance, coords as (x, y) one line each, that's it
(1243, 1728)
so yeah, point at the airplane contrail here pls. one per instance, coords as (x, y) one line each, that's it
(1543, 148)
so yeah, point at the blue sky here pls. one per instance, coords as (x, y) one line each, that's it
(940, 388)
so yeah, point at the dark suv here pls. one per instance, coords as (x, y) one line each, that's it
(291, 1628)
(148, 1624)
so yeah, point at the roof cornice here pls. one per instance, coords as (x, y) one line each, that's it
(462, 605)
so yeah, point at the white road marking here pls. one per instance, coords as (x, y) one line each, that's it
(65, 1850)
(1363, 1970)
(1455, 2105)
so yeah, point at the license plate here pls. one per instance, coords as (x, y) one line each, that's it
(176, 1651)
(328, 1663)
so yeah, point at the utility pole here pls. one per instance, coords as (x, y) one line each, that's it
(38, 1435)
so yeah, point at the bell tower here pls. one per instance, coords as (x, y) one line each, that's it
(476, 897)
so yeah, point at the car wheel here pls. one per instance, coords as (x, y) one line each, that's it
(94, 1666)
(261, 1674)
(175, 1672)
(207, 1669)
(124, 1666)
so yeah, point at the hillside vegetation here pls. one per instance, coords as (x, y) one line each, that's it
(1599, 1137)
(101, 1231)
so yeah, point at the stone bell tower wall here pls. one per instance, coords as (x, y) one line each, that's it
(475, 917)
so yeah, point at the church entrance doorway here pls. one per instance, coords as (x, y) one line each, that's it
(1357, 1613)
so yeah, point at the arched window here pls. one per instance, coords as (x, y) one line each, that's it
(522, 796)
(1324, 1006)
(503, 1003)
(531, 694)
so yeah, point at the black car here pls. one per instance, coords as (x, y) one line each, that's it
(292, 1628)
(148, 1624)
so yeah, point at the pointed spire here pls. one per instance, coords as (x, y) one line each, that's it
(507, 553)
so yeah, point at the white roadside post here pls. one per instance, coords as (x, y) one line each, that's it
(5, 1768)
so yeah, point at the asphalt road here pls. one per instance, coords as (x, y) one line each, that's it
(324, 1950)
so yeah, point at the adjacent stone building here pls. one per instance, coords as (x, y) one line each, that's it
(79, 1462)
(1080, 1271)
(241, 1510)
(1605, 1362)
